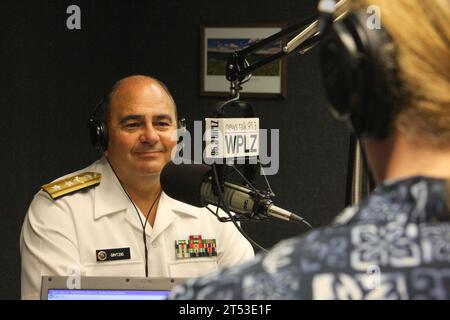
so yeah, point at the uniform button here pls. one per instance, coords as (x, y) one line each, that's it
(155, 244)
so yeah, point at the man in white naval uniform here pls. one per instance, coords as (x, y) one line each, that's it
(92, 221)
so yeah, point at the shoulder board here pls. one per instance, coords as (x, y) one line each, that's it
(71, 184)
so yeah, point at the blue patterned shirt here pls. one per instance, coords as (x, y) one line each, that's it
(395, 245)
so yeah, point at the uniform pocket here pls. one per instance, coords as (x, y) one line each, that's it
(191, 268)
(115, 269)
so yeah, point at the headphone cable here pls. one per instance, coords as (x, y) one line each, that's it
(139, 216)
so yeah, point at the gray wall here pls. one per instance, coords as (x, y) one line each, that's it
(51, 78)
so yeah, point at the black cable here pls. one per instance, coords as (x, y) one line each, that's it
(139, 216)
(220, 109)
(143, 227)
(265, 178)
(244, 178)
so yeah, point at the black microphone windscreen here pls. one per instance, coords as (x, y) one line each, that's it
(182, 182)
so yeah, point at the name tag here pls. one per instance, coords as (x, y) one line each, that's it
(112, 254)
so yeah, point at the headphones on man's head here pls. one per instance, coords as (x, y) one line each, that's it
(359, 70)
(98, 128)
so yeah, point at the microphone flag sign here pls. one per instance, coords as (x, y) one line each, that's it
(227, 138)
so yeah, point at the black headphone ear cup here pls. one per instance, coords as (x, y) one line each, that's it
(103, 135)
(181, 130)
(98, 132)
(355, 77)
(339, 67)
(181, 124)
(344, 73)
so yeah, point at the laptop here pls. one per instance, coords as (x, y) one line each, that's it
(107, 288)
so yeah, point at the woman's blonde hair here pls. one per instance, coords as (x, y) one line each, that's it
(420, 30)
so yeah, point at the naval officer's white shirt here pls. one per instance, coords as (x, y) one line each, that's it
(63, 235)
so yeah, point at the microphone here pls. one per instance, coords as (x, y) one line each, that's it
(194, 185)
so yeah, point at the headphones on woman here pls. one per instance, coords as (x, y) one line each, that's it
(359, 69)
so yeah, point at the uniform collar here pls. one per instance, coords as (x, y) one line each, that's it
(179, 207)
(168, 210)
(109, 195)
(111, 198)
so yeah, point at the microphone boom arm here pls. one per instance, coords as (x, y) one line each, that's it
(237, 67)
(238, 70)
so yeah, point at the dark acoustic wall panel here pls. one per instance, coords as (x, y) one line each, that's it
(52, 77)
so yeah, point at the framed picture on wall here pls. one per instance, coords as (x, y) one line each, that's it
(219, 41)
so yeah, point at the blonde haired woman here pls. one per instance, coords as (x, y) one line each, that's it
(393, 87)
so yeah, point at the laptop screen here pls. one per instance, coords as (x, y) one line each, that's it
(73, 294)
(107, 288)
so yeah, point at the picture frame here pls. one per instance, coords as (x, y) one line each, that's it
(219, 41)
